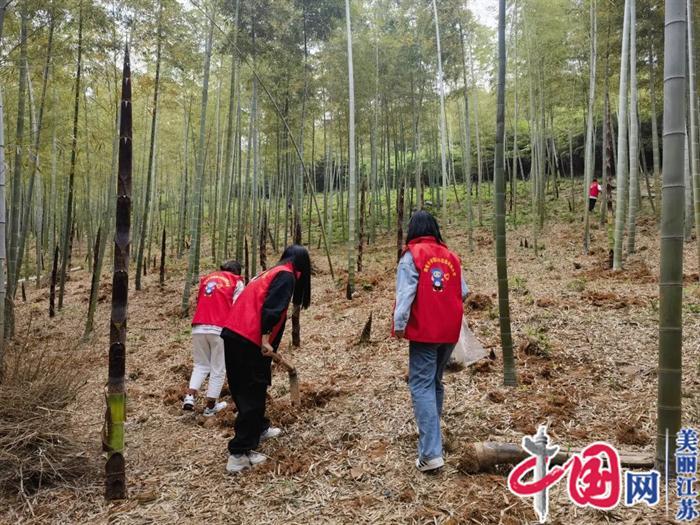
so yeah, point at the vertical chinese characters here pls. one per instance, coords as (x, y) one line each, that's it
(686, 470)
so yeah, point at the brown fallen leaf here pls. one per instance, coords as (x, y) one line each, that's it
(357, 472)
(146, 496)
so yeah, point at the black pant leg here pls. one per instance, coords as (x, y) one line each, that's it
(250, 421)
(248, 374)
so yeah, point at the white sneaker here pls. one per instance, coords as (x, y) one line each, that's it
(188, 402)
(208, 412)
(237, 463)
(256, 458)
(426, 465)
(271, 432)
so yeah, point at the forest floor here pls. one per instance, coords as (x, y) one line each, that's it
(347, 456)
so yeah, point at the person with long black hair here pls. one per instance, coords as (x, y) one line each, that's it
(252, 332)
(428, 312)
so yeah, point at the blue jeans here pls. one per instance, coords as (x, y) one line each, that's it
(426, 364)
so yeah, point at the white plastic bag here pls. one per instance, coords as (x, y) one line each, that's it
(468, 349)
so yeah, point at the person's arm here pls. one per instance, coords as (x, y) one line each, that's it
(276, 303)
(239, 288)
(406, 286)
(465, 288)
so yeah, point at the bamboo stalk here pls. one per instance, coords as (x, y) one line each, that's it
(671, 264)
(115, 391)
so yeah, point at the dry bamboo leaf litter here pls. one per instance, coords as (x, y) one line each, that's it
(347, 455)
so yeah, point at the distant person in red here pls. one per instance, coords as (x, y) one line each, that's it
(217, 293)
(252, 332)
(593, 192)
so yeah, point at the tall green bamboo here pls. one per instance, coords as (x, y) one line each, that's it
(35, 173)
(654, 127)
(514, 169)
(199, 180)
(509, 375)
(105, 225)
(68, 226)
(352, 178)
(688, 182)
(230, 144)
(477, 134)
(693, 117)
(671, 265)
(3, 221)
(605, 153)
(442, 118)
(622, 157)
(254, 186)
(634, 133)
(374, 130)
(52, 186)
(590, 135)
(467, 146)
(151, 154)
(115, 416)
(15, 202)
(182, 214)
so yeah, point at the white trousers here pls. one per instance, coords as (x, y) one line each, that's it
(208, 357)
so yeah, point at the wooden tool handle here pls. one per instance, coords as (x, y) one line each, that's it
(284, 363)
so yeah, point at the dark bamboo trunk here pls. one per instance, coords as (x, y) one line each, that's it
(247, 260)
(94, 284)
(113, 438)
(296, 326)
(52, 290)
(262, 237)
(399, 220)
(361, 233)
(162, 259)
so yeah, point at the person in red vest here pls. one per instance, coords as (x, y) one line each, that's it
(252, 332)
(428, 312)
(593, 192)
(217, 293)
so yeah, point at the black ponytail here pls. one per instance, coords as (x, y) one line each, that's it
(299, 257)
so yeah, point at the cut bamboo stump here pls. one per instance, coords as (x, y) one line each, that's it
(483, 456)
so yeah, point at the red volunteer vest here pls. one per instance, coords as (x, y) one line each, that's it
(593, 191)
(436, 313)
(215, 297)
(245, 317)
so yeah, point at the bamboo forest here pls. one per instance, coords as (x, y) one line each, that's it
(481, 217)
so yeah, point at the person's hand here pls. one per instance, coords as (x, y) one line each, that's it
(266, 350)
(399, 333)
